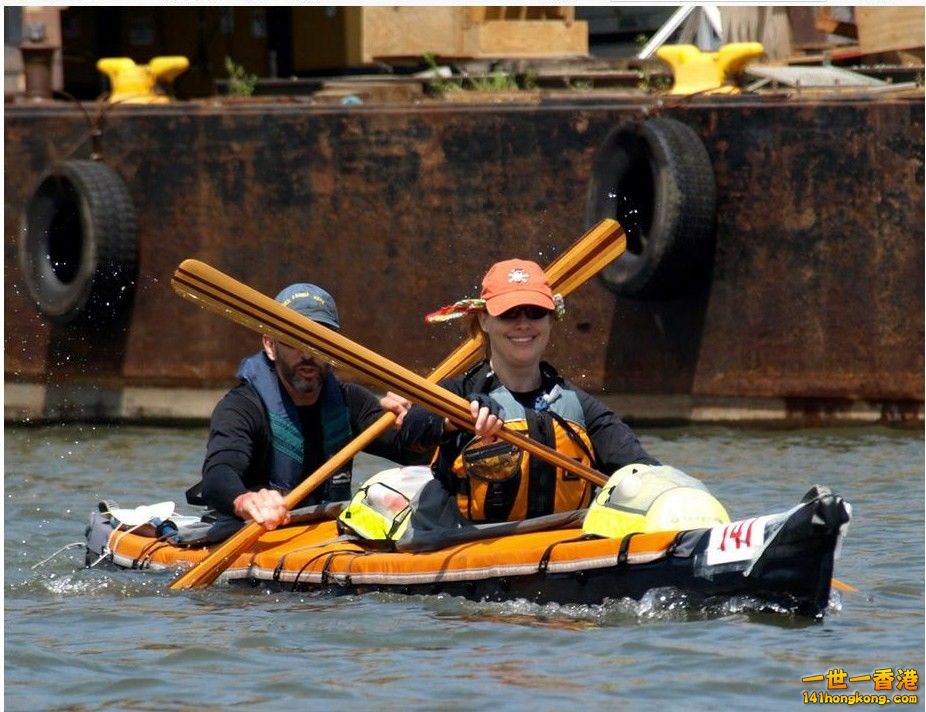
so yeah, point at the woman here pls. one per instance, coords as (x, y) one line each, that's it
(492, 480)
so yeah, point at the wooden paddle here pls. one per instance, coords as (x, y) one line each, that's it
(601, 245)
(234, 300)
(843, 586)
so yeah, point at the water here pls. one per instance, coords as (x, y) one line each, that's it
(78, 639)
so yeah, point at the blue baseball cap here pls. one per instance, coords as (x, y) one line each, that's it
(311, 301)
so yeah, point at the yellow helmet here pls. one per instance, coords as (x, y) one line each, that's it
(650, 498)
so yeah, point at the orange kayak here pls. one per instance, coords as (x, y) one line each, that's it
(781, 561)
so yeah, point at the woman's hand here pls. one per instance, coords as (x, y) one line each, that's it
(488, 415)
(266, 507)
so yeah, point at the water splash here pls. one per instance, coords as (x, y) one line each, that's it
(658, 605)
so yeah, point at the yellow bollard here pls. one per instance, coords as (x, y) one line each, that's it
(696, 71)
(135, 83)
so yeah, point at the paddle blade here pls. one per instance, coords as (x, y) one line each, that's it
(218, 560)
(843, 586)
(597, 248)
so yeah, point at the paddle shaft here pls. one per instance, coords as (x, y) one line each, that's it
(599, 246)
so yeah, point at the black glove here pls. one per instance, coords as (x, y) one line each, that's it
(486, 401)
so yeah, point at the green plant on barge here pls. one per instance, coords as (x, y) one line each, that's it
(438, 84)
(531, 79)
(496, 81)
(240, 83)
(654, 82)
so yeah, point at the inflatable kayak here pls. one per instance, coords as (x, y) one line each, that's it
(782, 561)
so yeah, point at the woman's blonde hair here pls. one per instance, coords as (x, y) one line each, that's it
(476, 332)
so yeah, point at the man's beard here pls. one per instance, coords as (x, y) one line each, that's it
(300, 384)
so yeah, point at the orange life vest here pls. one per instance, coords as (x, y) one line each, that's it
(532, 487)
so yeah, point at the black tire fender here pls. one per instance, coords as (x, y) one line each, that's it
(78, 247)
(655, 178)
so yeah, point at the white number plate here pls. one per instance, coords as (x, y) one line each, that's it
(736, 541)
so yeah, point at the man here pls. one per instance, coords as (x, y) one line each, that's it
(286, 417)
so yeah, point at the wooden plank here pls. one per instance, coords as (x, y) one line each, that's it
(527, 38)
(475, 15)
(522, 12)
(401, 91)
(886, 29)
(410, 31)
(467, 32)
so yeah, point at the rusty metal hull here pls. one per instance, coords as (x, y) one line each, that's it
(816, 296)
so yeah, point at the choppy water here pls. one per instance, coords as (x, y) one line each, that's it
(78, 639)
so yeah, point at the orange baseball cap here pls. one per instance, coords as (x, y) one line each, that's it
(515, 283)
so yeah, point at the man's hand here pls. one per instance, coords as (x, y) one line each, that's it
(395, 404)
(265, 507)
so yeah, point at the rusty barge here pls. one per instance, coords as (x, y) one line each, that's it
(805, 303)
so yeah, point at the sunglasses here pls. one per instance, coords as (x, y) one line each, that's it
(532, 313)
